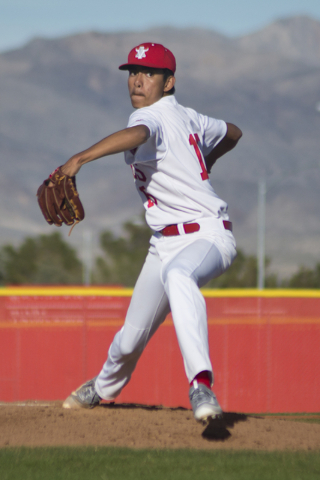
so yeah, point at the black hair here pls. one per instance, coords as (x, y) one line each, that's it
(166, 74)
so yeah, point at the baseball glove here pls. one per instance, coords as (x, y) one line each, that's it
(60, 202)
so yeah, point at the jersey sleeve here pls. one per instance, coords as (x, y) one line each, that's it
(154, 148)
(213, 132)
(143, 117)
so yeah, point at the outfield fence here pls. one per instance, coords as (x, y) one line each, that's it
(264, 346)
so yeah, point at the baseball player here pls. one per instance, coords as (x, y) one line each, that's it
(170, 150)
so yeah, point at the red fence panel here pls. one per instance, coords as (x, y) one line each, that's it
(264, 347)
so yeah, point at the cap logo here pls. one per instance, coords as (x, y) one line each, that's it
(141, 52)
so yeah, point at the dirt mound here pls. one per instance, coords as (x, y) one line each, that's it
(47, 424)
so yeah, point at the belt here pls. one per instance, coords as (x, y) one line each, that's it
(172, 230)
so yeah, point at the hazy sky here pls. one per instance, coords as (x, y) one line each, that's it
(21, 20)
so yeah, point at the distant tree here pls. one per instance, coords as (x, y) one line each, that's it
(1, 269)
(123, 256)
(242, 274)
(46, 259)
(305, 278)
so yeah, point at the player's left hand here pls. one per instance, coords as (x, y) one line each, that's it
(59, 200)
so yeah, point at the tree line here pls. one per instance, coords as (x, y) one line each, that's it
(50, 260)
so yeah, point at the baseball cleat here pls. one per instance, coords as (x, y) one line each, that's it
(204, 403)
(84, 397)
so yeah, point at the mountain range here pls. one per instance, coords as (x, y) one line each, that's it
(61, 95)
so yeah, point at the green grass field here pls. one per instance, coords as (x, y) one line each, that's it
(126, 464)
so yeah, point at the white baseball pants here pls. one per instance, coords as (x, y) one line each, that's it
(174, 270)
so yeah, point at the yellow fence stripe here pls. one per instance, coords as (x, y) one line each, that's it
(127, 292)
(65, 292)
(250, 292)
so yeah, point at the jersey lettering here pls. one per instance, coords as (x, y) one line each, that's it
(138, 174)
(151, 199)
(194, 140)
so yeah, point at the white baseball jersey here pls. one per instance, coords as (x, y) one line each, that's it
(169, 169)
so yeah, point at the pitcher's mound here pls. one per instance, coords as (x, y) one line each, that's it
(48, 424)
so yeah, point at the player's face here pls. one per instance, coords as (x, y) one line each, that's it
(147, 86)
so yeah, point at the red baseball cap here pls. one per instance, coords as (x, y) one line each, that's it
(151, 55)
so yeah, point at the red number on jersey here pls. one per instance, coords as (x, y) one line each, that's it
(194, 140)
(151, 199)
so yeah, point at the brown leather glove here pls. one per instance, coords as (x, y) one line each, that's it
(60, 202)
